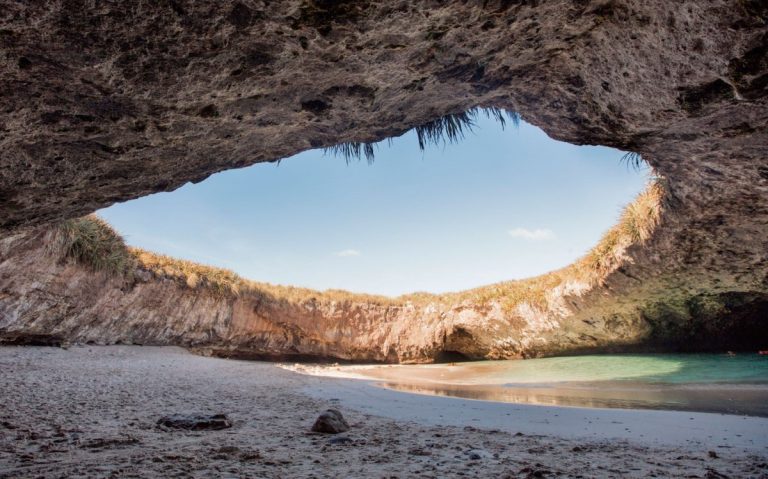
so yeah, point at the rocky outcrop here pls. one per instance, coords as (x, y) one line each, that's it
(110, 102)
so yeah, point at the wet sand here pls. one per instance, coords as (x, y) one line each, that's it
(91, 412)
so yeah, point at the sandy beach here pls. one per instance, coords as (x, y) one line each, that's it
(92, 412)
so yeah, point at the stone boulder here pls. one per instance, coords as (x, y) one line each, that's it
(330, 422)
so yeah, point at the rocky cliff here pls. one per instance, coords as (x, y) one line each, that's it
(110, 101)
(55, 292)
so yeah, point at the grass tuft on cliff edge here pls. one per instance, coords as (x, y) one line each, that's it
(92, 242)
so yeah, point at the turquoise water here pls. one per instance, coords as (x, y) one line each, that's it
(690, 382)
(651, 368)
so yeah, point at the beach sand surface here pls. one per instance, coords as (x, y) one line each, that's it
(91, 411)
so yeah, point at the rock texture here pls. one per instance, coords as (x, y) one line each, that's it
(330, 422)
(110, 101)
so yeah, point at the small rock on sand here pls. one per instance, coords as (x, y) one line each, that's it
(330, 422)
(195, 422)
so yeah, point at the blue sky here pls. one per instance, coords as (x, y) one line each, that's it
(501, 204)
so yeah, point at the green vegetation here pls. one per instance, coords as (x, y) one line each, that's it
(448, 128)
(92, 242)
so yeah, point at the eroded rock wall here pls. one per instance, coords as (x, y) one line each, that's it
(42, 296)
(44, 299)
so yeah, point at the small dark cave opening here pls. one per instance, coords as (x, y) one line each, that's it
(447, 356)
(458, 346)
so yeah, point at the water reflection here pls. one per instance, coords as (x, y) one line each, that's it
(664, 368)
(752, 401)
(691, 382)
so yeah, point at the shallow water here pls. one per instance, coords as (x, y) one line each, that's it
(691, 382)
(651, 368)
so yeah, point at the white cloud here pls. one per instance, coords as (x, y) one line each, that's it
(347, 252)
(532, 235)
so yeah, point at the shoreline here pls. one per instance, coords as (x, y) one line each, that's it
(644, 426)
(496, 382)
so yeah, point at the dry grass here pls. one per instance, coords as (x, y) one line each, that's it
(93, 242)
(193, 275)
(228, 283)
(293, 294)
(636, 225)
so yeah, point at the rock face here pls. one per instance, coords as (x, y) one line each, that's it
(110, 103)
(57, 301)
(116, 101)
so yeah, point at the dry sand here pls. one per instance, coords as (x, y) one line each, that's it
(91, 412)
